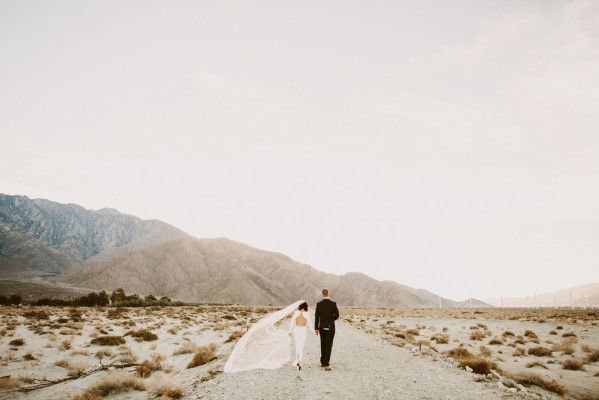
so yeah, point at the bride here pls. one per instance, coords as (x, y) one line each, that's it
(298, 329)
(267, 346)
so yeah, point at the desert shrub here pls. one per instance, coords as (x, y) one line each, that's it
(203, 355)
(553, 332)
(229, 317)
(29, 356)
(234, 336)
(114, 384)
(531, 335)
(539, 351)
(479, 365)
(569, 334)
(36, 314)
(103, 353)
(108, 340)
(573, 365)
(477, 335)
(495, 341)
(520, 340)
(559, 327)
(186, 348)
(482, 326)
(17, 342)
(586, 348)
(507, 333)
(593, 357)
(536, 364)
(413, 332)
(458, 353)
(65, 344)
(485, 352)
(564, 347)
(142, 336)
(87, 396)
(145, 369)
(73, 368)
(8, 383)
(163, 388)
(529, 378)
(440, 339)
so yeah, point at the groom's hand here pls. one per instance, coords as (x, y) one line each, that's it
(316, 332)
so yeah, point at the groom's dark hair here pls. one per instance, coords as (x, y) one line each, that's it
(303, 306)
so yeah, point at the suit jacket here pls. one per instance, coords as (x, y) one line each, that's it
(326, 314)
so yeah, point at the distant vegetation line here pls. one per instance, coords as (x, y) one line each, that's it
(117, 298)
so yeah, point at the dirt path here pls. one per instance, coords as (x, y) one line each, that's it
(363, 368)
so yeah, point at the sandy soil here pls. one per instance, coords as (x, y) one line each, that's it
(59, 361)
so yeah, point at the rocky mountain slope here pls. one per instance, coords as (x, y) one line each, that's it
(42, 235)
(106, 250)
(579, 297)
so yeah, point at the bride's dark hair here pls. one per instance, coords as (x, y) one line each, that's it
(303, 306)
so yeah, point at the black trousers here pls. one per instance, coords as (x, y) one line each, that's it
(326, 345)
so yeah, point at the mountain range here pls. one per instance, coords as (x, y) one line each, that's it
(105, 250)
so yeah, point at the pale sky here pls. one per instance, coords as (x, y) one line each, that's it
(450, 146)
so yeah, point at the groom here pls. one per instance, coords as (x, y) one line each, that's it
(325, 315)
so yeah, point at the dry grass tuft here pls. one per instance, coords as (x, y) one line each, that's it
(593, 357)
(573, 365)
(162, 387)
(235, 336)
(495, 342)
(145, 369)
(478, 335)
(539, 351)
(479, 365)
(203, 355)
(536, 364)
(565, 347)
(73, 368)
(142, 336)
(17, 342)
(531, 335)
(115, 384)
(519, 352)
(186, 348)
(440, 338)
(530, 378)
(108, 341)
(458, 353)
(8, 383)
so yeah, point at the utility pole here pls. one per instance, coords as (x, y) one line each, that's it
(470, 298)
(501, 299)
(439, 300)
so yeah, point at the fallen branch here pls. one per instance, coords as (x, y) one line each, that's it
(45, 384)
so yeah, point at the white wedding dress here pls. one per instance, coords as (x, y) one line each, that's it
(264, 345)
(299, 334)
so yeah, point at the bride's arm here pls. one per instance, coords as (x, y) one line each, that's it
(310, 323)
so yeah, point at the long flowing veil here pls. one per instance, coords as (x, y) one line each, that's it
(264, 345)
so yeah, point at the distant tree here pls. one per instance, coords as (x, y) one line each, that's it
(164, 298)
(15, 299)
(5, 301)
(118, 295)
(150, 297)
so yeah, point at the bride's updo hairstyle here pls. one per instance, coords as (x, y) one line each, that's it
(303, 306)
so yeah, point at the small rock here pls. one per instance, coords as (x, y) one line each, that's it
(522, 388)
(508, 382)
(489, 376)
(408, 346)
(495, 375)
(468, 369)
(500, 385)
(513, 390)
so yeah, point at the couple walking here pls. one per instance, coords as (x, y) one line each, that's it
(267, 346)
(324, 325)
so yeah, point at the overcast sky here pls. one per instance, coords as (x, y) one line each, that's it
(451, 146)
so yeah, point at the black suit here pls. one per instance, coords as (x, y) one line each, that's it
(325, 316)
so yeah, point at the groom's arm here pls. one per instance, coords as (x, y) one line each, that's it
(316, 319)
(335, 313)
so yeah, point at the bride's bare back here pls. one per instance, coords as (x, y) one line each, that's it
(301, 320)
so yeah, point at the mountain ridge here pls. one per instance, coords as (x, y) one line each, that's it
(106, 250)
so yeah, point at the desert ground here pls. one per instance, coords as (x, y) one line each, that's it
(179, 352)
